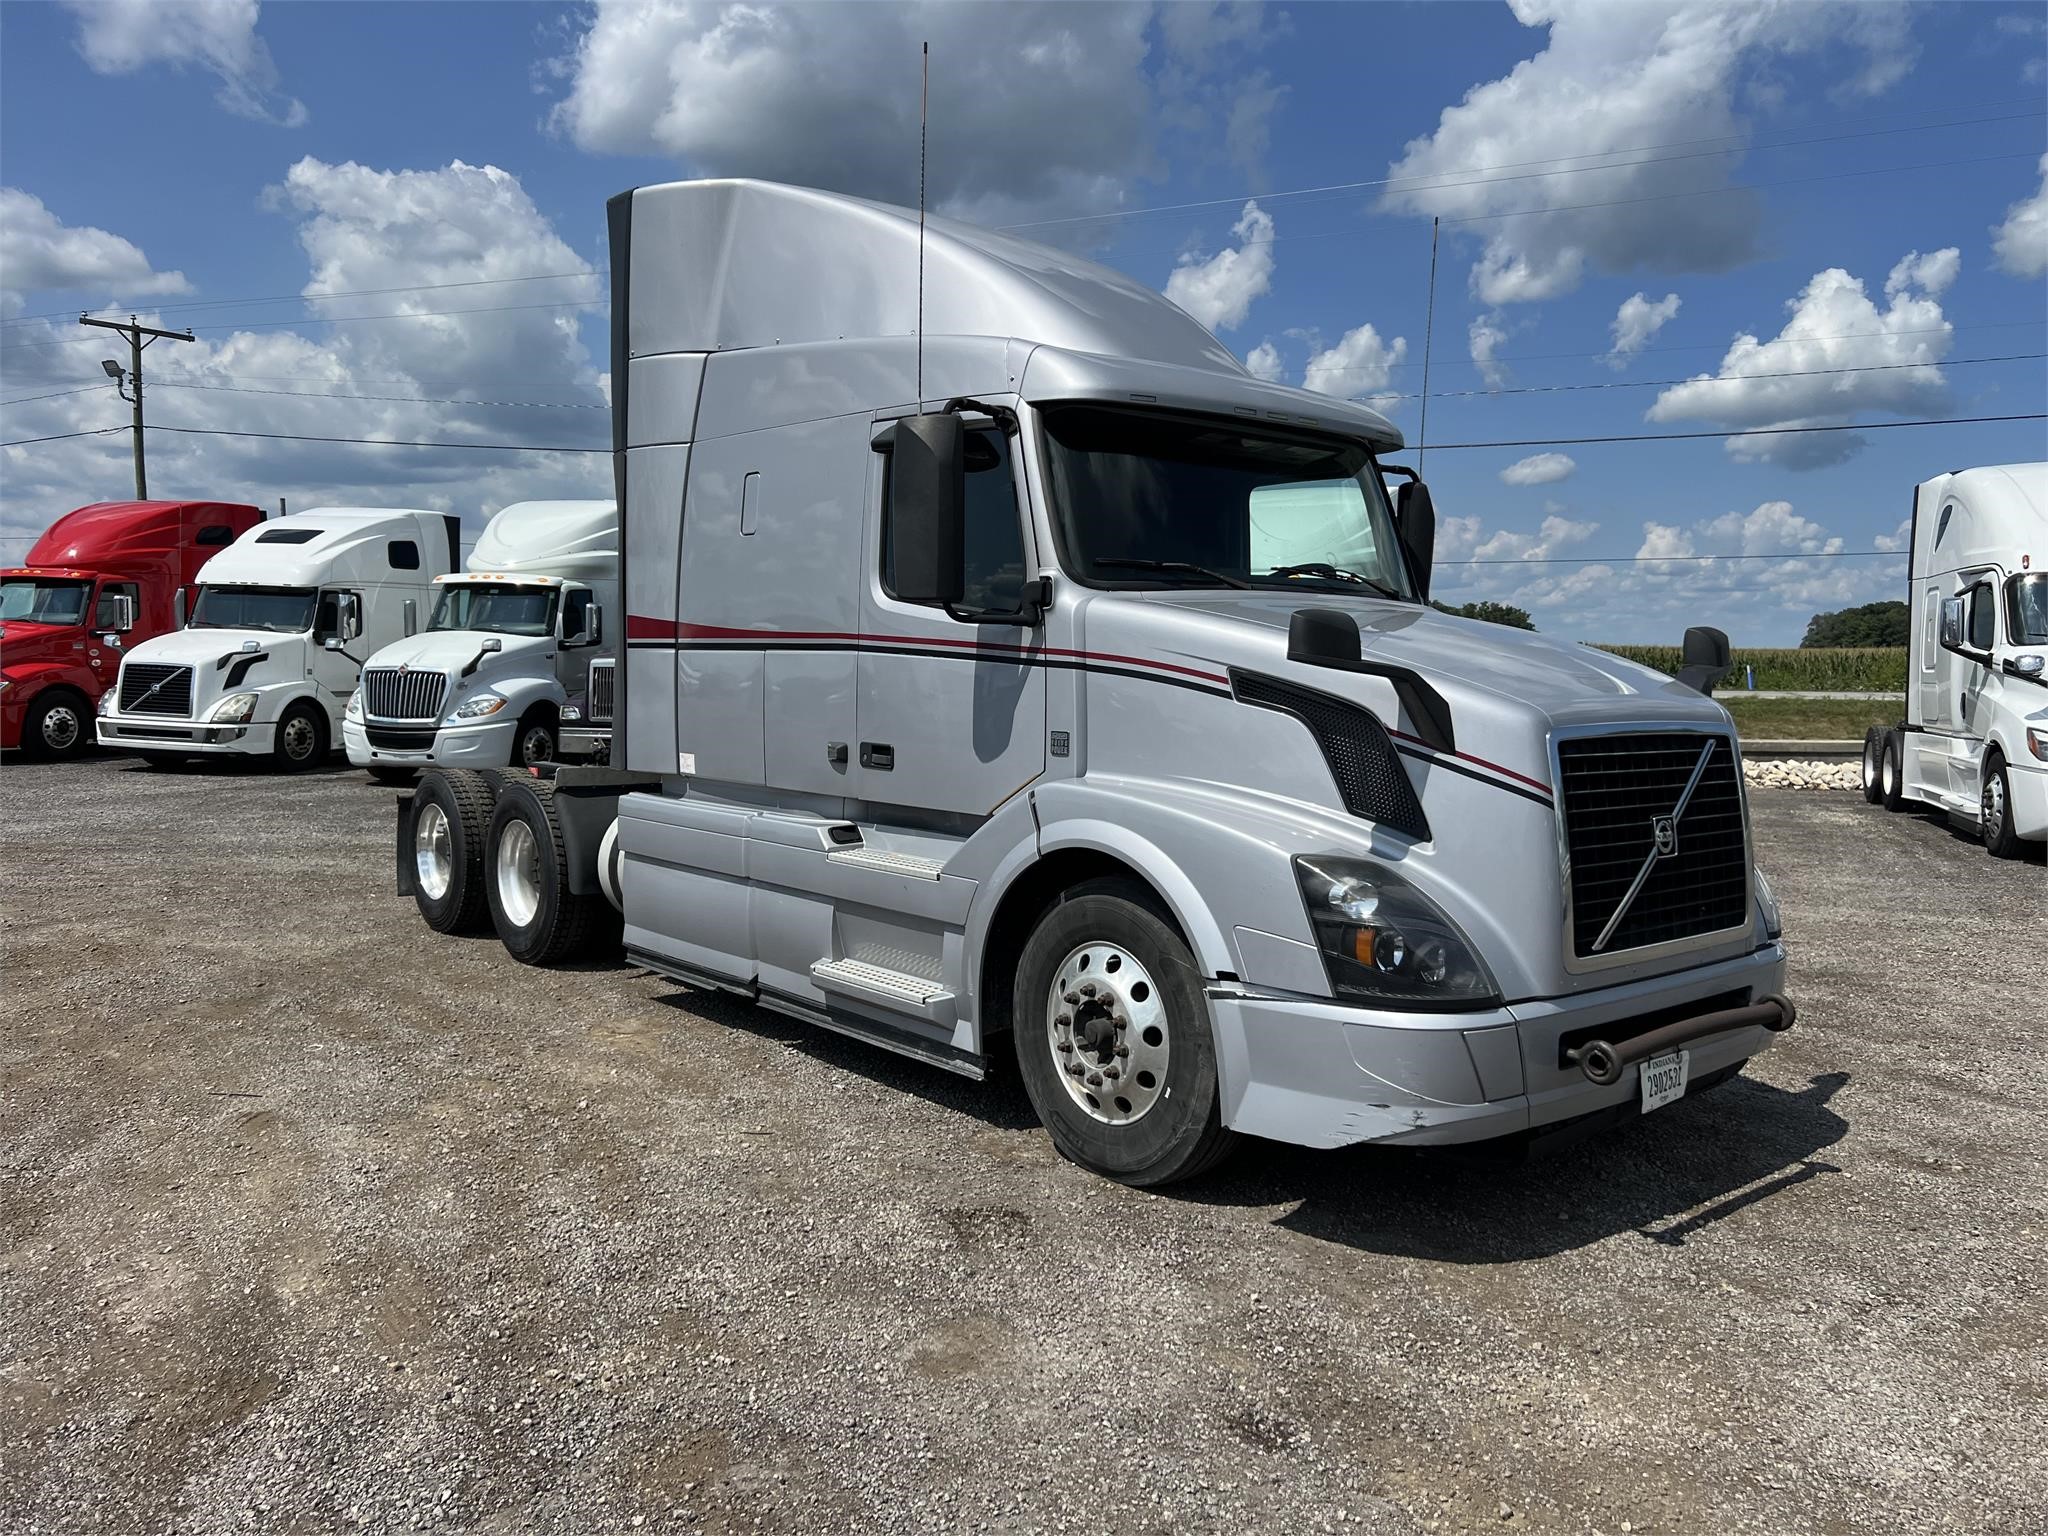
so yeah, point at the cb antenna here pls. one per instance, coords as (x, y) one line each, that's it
(924, 107)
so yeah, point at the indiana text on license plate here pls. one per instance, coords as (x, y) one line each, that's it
(1664, 1079)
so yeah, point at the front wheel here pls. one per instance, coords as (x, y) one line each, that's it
(301, 738)
(1113, 1039)
(1873, 765)
(1995, 811)
(535, 743)
(58, 725)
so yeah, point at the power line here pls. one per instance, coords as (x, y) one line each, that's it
(54, 395)
(1829, 554)
(1680, 437)
(343, 293)
(1730, 378)
(422, 314)
(1734, 141)
(320, 394)
(1722, 347)
(370, 442)
(58, 437)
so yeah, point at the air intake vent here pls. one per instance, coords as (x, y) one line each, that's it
(600, 701)
(393, 693)
(151, 688)
(1370, 779)
(1643, 870)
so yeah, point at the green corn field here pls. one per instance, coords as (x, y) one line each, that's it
(1873, 670)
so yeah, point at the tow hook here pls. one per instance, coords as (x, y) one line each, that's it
(1603, 1062)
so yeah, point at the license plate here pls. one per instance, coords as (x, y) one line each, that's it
(1664, 1079)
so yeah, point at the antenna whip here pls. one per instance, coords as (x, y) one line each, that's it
(924, 107)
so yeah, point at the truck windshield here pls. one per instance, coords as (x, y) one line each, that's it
(281, 610)
(1146, 499)
(498, 610)
(2026, 607)
(36, 601)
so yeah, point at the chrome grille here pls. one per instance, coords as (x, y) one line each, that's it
(1613, 793)
(152, 688)
(394, 693)
(600, 701)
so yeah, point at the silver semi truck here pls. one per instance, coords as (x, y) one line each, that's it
(1033, 680)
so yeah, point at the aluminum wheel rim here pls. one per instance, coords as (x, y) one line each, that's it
(1994, 807)
(60, 728)
(518, 873)
(297, 733)
(433, 851)
(1891, 773)
(535, 746)
(1869, 765)
(1106, 1027)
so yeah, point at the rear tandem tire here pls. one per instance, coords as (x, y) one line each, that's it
(526, 876)
(451, 811)
(1891, 791)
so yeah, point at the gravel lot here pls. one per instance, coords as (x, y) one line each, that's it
(313, 1220)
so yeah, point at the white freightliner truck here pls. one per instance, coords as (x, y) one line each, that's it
(512, 668)
(1974, 742)
(277, 635)
(1042, 682)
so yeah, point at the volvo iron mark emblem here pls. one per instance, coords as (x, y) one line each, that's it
(1665, 830)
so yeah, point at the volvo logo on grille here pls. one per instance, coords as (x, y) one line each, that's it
(1665, 830)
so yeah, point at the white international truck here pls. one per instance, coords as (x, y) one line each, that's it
(277, 635)
(512, 668)
(1974, 742)
(1006, 670)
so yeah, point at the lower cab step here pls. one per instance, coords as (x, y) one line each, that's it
(896, 990)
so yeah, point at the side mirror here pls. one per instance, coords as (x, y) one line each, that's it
(593, 625)
(118, 610)
(927, 508)
(1704, 659)
(1951, 623)
(1415, 515)
(491, 646)
(412, 618)
(331, 643)
(348, 614)
(178, 609)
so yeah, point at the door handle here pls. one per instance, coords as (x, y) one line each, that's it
(877, 754)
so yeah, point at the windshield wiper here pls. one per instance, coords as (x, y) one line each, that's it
(1179, 568)
(1331, 572)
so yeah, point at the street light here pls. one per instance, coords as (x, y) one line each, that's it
(114, 369)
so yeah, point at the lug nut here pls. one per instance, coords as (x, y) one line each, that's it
(1073, 1069)
(1123, 1050)
(1087, 989)
(1071, 999)
(1112, 1072)
(1094, 1079)
(1065, 1021)
(1065, 1047)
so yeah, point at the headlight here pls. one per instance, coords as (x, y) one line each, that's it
(107, 702)
(2037, 743)
(235, 707)
(1383, 939)
(1767, 904)
(353, 709)
(6, 683)
(482, 704)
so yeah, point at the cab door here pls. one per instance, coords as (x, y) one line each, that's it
(950, 715)
(339, 615)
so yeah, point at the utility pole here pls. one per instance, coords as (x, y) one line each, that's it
(1428, 338)
(139, 336)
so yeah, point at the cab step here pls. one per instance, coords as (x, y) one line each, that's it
(898, 991)
(915, 865)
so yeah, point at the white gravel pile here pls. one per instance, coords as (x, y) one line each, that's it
(1809, 773)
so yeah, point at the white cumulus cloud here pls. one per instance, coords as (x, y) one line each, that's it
(1357, 367)
(1218, 290)
(1264, 362)
(1839, 357)
(1539, 469)
(2020, 244)
(1035, 109)
(1611, 80)
(1484, 337)
(41, 253)
(1931, 273)
(118, 37)
(1636, 322)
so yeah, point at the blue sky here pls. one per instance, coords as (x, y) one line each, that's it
(1744, 159)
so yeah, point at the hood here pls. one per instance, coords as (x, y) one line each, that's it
(202, 647)
(23, 640)
(450, 650)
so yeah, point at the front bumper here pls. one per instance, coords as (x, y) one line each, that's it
(486, 744)
(1321, 1074)
(2029, 795)
(152, 733)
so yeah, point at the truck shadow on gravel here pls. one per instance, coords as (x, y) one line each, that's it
(229, 768)
(1670, 1177)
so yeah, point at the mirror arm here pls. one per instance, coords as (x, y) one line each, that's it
(1029, 613)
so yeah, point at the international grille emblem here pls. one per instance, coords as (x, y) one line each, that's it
(1665, 830)
(404, 667)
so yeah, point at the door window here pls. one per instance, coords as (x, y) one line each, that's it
(103, 614)
(994, 549)
(214, 535)
(405, 555)
(1983, 624)
(576, 612)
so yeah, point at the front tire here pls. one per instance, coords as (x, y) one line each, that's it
(526, 875)
(1995, 811)
(1113, 1038)
(534, 742)
(451, 810)
(301, 738)
(58, 725)
(1873, 765)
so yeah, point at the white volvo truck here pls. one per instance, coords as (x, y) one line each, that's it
(1045, 684)
(277, 635)
(512, 668)
(1974, 742)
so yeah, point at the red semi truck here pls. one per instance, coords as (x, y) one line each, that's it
(102, 578)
